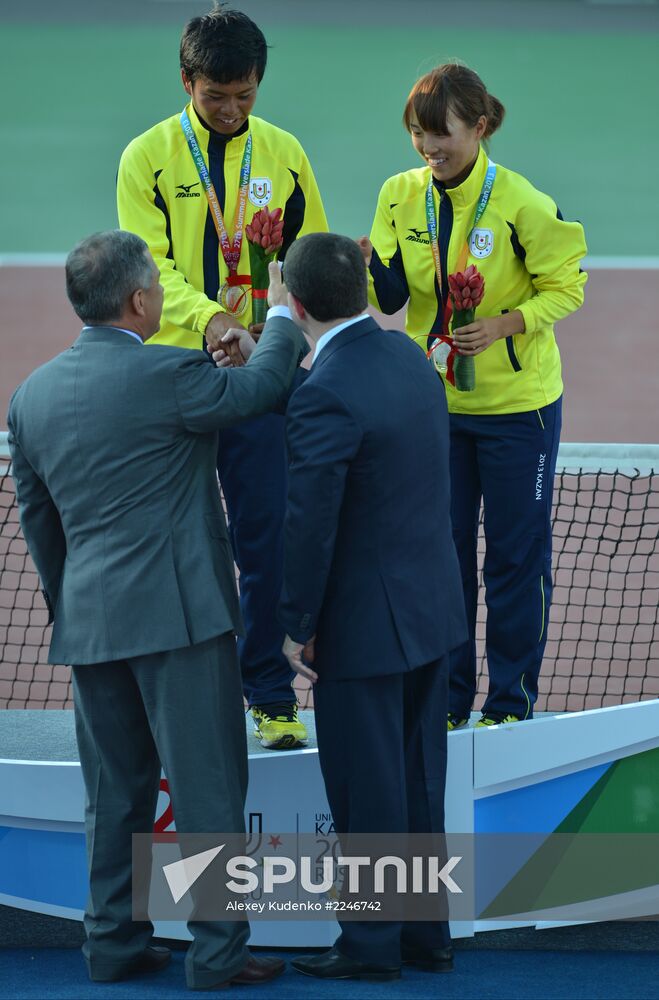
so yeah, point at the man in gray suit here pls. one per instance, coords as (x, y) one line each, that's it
(113, 452)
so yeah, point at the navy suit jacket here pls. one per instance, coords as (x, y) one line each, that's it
(370, 566)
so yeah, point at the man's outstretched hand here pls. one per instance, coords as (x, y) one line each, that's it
(217, 326)
(230, 344)
(236, 348)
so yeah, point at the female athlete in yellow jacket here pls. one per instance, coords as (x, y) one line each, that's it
(460, 209)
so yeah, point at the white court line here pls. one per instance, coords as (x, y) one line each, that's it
(622, 3)
(594, 263)
(32, 259)
(588, 455)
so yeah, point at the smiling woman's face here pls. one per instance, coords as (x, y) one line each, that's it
(449, 156)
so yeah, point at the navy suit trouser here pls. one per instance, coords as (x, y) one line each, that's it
(509, 462)
(382, 750)
(252, 466)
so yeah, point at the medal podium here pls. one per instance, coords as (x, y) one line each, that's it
(578, 771)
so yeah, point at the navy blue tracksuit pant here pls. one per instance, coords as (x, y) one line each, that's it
(253, 468)
(509, 461)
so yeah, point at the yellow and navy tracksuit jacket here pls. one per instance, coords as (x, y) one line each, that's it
(528, 255)
(161, 198)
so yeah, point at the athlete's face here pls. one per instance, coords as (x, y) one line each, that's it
(224, 106)
(449, 156)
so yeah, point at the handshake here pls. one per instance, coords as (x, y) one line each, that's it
(230, 343)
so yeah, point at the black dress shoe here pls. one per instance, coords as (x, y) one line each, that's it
(428, 959)
(153, 959)
(334, 965)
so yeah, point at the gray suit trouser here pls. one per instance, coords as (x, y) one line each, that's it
(182, 709)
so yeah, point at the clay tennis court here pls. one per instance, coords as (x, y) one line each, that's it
(610, 348)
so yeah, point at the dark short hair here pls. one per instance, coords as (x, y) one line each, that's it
(456, 88)
(327, 274)
(103, 271)
(223, 45)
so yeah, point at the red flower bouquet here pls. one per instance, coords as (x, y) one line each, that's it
(466, 289)
(265, 235)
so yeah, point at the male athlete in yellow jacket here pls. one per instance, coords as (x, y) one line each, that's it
(186, 196)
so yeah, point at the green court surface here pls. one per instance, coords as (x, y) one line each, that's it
(581, 121)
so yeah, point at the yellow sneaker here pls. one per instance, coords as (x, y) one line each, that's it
(277, 727)
(495, 719)
(456, 722)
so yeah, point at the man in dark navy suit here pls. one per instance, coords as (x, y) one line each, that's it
(372, 600)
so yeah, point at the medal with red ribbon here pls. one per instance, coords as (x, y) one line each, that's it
(440, 344)
(233, 295)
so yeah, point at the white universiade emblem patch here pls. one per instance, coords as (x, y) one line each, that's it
(481, 242)
(260, 191)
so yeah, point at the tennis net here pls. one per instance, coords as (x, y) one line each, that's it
(603, 636)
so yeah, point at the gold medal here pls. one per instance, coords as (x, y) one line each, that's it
(234, 299)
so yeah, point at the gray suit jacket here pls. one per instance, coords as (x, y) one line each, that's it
(113, 449)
